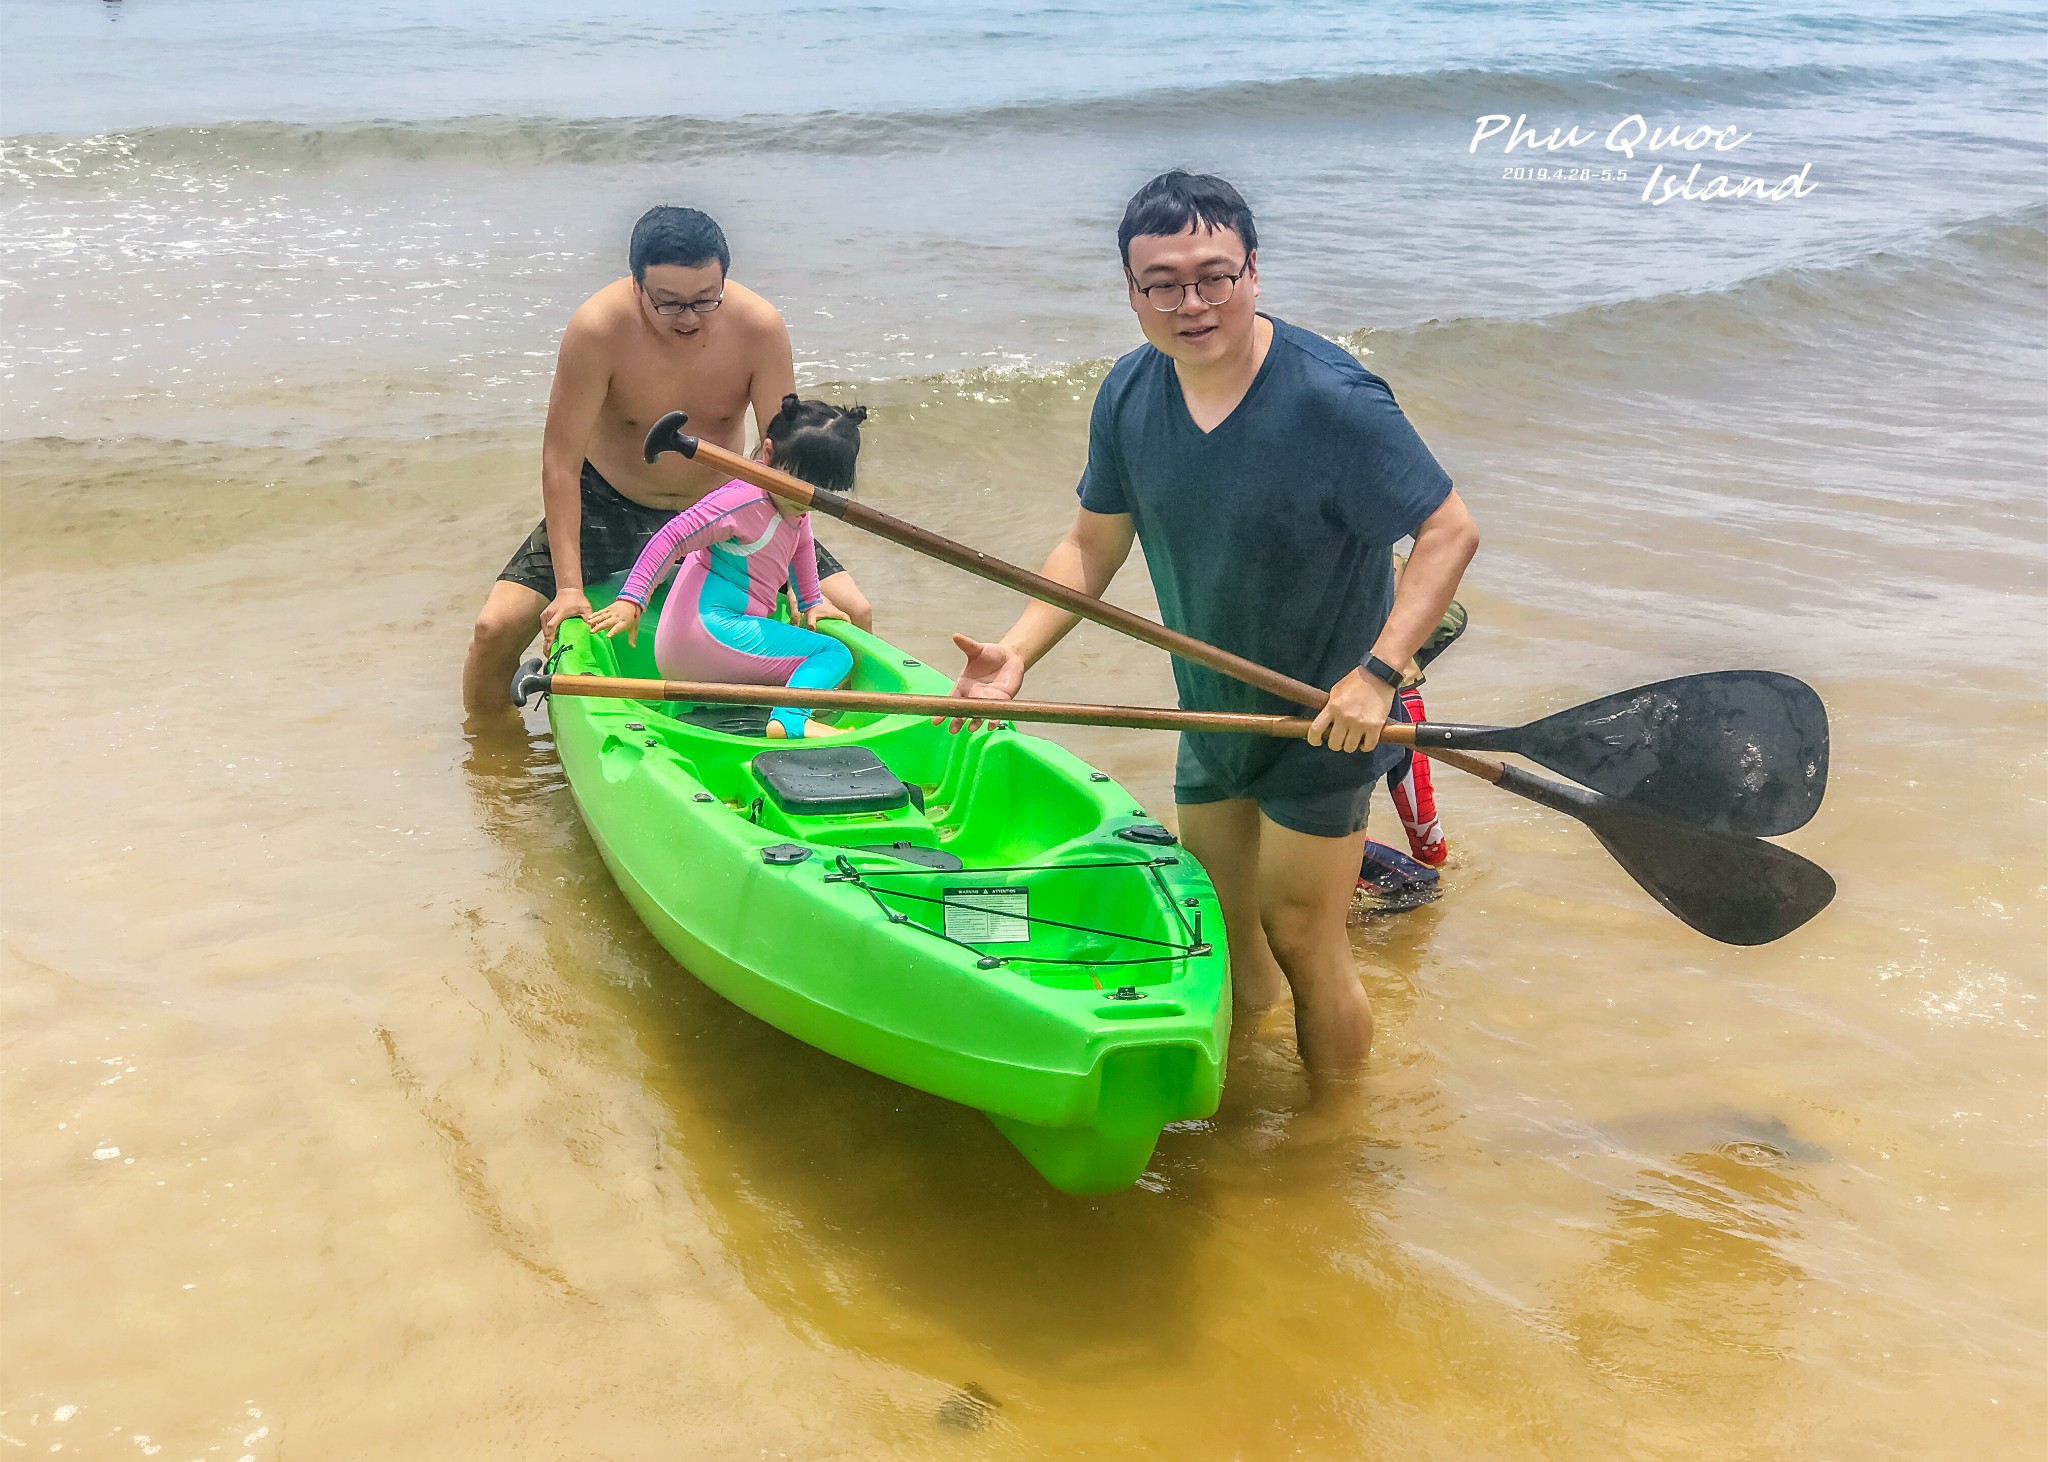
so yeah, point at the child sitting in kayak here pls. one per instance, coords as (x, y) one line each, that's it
(740, 547)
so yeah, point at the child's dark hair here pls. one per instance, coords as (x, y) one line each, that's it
(817, 441)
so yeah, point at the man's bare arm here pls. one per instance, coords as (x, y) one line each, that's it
(1444, 545)
(774, 373)
(581, 380)
(1086, 559)
(1359, 703)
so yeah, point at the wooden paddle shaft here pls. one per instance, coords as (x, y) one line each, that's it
(1155, 718)
(837, 505)
(1739, 890)
(1477, 764)
(1059, 713)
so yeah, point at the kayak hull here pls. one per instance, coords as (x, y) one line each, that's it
(1022, 943)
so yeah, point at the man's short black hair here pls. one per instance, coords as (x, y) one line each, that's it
(682, 236)
(1176, 201)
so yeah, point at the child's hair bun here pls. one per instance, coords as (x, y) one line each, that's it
(817, 441)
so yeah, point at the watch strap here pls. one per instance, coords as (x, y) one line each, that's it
(1380, 670)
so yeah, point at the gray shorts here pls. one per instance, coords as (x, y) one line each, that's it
(1336, 813)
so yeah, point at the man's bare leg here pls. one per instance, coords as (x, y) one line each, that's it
(1224, 838)
(1304, 899)
(506, 625)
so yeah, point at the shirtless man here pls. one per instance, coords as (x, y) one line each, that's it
(675, 336)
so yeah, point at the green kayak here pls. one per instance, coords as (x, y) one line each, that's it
(983, 917)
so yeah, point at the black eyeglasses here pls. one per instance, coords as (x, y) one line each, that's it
(1210, 289)
(676, 307)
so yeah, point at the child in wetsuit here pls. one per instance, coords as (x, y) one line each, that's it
(740, 548)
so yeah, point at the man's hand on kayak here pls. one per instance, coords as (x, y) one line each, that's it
(994, 672)
(567, 604)
(1354, 715)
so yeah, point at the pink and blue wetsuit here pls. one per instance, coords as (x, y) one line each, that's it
(741, 553)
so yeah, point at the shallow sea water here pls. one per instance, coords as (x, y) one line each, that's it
(348, 1109)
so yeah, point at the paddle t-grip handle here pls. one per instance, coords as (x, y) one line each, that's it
(531, 676)
(667, 435)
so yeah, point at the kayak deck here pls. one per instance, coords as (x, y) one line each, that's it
(983, 917)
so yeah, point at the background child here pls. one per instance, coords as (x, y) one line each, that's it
(740, 548)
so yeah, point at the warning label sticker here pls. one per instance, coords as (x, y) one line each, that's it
(988, 915)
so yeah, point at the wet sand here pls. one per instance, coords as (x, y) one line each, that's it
(344, 1088)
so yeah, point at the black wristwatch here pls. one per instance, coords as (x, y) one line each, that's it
(1379, 669)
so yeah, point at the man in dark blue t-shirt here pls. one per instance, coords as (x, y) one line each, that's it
(1269, 476)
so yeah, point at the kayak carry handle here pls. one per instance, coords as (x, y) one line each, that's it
(667, 435)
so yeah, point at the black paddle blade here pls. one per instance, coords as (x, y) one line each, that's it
(666, 435)
(1735, 889)
(1735, 751)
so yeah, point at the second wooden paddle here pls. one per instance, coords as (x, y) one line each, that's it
(1741, 751)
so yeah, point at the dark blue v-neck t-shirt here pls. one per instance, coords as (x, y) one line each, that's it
(1271, 536)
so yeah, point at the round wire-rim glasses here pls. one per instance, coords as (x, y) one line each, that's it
(1210, 289)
